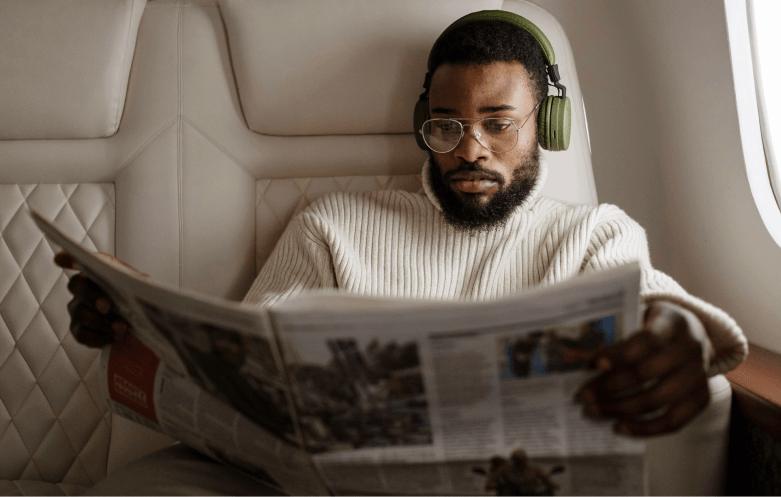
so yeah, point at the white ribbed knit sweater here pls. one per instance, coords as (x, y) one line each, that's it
(397, 244)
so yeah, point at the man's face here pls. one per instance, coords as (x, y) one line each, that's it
(478, 188)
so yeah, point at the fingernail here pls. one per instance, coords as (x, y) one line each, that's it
(120, 329)
(103, 305)
(603, 364)
(591, 411)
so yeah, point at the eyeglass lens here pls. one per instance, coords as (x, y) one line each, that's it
(496, 134)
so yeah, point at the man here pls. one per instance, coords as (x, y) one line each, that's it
(482, 231)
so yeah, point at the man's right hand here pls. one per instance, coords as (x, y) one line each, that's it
(95, 320)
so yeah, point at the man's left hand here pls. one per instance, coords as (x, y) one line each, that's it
(655, 381)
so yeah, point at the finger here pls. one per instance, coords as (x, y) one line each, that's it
(619, 362)
(666, 360)
(64, 260)
(607, 386)
(79, 283)
(86, 326)
(86, 291)
(681, 383)
(90, 338)
(93, 330)
(673, 356)
(678, 414)
(636, 348)
(636, 378)
(90, 319)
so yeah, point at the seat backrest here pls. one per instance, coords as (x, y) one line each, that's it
(64, 78)
(235, 116)
(322, 101)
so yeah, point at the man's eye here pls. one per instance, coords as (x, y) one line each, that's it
(496, 127)
(448, 127)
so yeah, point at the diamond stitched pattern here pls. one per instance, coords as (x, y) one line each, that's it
(54, 425)
(278, 200)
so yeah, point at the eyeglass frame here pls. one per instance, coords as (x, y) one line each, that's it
(459, 119)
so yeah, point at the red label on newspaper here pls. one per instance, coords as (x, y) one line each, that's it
(132, 367)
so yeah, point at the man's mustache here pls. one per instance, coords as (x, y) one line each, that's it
(474, 167)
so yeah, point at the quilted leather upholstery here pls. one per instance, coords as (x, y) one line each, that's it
(54, 426)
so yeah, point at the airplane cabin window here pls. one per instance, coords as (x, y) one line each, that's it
(753, 37)
(763, 17)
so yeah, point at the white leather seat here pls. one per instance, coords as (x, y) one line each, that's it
(65, 68)
(236, 115)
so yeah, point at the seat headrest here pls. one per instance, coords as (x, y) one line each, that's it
(64, 67)
(347, 66)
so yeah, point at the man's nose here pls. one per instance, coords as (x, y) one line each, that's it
(469, 148)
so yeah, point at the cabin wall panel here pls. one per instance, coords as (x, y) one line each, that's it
(613, 82)
(723, 251)
(666, 147)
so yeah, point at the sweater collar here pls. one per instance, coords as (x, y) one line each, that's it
(527, 203)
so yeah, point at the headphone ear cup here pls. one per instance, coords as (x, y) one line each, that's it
(418, 118)
(554, 124)
(560, 125)
(543, 123)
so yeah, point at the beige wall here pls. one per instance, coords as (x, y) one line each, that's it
(657, 81)
(622, 137)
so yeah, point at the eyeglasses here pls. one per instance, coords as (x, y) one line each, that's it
(497, 134)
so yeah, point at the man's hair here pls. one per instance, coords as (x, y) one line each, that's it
(486, 42)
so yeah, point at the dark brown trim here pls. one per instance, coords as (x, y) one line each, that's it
(763, 414)
(756, 386)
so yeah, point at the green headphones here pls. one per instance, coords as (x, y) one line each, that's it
(553, 120)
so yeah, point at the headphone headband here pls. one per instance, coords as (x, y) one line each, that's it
(501, 15)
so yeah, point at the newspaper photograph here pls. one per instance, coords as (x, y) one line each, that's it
(359, 395)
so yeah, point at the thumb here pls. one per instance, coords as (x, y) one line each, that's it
(64, 260)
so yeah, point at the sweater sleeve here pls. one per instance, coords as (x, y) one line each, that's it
(617, 239)
(301, 261)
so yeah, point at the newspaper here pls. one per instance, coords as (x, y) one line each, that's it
(337, 393)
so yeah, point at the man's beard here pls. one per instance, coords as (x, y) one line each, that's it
(465, 212)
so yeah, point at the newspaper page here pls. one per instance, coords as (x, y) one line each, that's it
(433, 398)
(203, 370)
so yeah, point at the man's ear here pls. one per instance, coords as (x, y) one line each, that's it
(540, 135)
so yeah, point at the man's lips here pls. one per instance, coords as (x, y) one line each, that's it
(473, 182)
